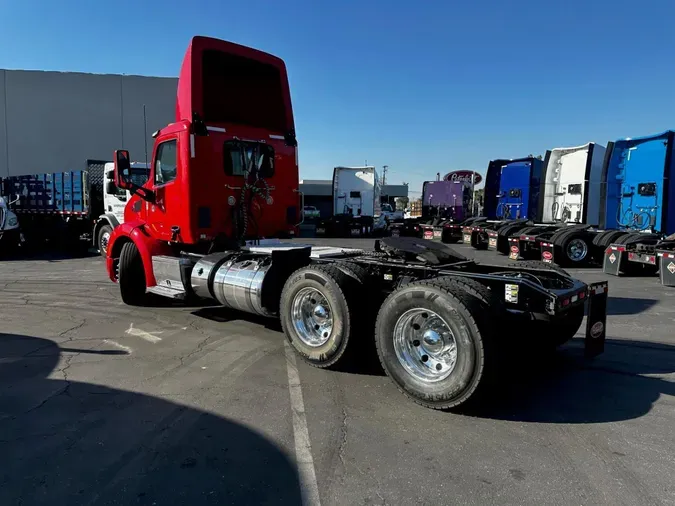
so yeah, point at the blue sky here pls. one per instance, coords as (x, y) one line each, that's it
(423, 87)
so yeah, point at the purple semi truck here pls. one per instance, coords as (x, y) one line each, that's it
(449, 200)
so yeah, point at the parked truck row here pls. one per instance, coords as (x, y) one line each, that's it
(585, 205)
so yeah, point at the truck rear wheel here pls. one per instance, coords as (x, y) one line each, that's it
(434, 342)
(573, 249)
(103, 239)
(131, 275)
(318, 305)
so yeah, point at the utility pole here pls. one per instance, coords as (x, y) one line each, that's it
(385, 168)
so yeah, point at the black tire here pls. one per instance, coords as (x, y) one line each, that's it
(503, 234)
(638, 237)
(101, 241)
(468, 318)
(341, 292)
(565, 240)
(604, 239)
(131, 276)
(537, 264)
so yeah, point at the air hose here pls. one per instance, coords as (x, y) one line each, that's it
(250, 187)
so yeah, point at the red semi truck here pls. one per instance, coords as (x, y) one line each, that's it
(224, 176)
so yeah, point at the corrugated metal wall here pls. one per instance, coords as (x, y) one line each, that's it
(55, 121)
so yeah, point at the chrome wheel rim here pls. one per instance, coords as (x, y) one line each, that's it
(312, 317)
(577, 250)
(424, 345)
(104, 242)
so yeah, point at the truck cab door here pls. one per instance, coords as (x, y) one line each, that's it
(159, 214)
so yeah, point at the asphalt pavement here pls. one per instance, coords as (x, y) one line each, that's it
(101, 403)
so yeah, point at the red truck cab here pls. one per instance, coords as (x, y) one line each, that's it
(226, 170)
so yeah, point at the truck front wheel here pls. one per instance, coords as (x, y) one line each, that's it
(103, 239)
(131, 275)
(435, 343)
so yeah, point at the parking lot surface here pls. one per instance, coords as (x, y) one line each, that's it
(101, 403)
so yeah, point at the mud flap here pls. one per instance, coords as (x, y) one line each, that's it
(427, 233)
(547, 250)
(514, 248)
(596, 321)
(466, 235)
(666, 267)
(614, 260)
(492, 240)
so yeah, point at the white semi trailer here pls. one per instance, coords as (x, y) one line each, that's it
(357, 210)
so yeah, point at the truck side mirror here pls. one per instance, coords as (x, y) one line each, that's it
(110, 187)
(123, 170)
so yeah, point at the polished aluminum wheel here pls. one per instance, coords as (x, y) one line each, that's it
(577, 250)
(312, 317)
(105, 239)
(424, 345)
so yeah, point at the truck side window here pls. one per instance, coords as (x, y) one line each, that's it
(165, 163)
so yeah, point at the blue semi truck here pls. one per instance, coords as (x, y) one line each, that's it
(511, 204)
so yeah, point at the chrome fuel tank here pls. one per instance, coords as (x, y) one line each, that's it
(234, 282)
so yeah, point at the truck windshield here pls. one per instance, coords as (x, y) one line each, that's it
(242, 91)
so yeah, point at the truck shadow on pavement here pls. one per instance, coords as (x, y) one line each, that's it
(68, 443)
(564, 387)
(629, 305)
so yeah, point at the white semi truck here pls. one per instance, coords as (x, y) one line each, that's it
(357, 210)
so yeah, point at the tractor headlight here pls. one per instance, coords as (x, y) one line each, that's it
(12, 221)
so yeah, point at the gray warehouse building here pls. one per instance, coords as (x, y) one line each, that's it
(56, 121)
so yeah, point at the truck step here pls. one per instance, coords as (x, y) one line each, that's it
(167, 292)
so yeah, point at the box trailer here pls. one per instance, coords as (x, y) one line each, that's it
(357, 208)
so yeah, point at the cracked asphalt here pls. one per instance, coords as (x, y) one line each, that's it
(101, 403)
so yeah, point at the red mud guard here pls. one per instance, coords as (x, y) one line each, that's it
(666, 267)
(514, 248)
(614, 259)
(596, 321)
(547, 250)
(427, 233)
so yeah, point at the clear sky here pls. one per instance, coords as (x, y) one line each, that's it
(424, 87)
